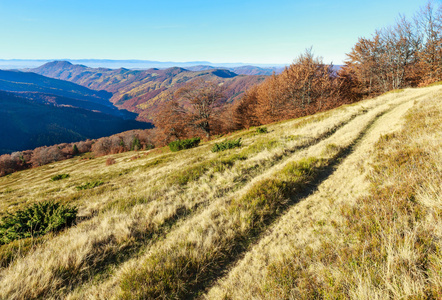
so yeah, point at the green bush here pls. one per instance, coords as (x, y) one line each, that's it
(261, 130)
(75, 150)
(227, 144)
(59, 177)
(136, 144)
(184, 144)
(90, 185)
(35, 220)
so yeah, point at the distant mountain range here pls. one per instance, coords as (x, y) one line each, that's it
(37, 111)
(61, 102)
(144, 91)
(242, 70)
(116, 64)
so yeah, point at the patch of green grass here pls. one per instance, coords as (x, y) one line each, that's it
(196, 170)
(331, 150)
(155, 162)
(184, 144)
(90, 185)
(59, 177)
(227, 144)
(222, 164)
(261, 129)
(397, 91)
(260, 145)
(189, 174)
(292, 137)
(35, 220)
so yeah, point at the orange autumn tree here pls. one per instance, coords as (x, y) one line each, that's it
(407, 54)
(170, 122)
(429, 26)
(305, 87)
(384, 62)
(194, 110)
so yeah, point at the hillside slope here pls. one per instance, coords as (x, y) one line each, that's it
(59, 92)
(34, 121)
(144, 91)
(342, 204)
(15, 81)
(243, 70)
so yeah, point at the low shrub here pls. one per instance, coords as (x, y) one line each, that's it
(184, 144)
(90, 185)
(35, 220)
(261, 129)
(110, 161)
(227, 144)
(59, 177)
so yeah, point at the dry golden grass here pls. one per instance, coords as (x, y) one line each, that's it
(269, 216)
(363, 234)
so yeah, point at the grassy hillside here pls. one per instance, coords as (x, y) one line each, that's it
(342, 204)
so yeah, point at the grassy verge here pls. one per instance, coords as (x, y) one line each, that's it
(181, 269)
(392, 247)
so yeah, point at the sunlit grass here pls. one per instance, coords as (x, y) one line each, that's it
(168, 224)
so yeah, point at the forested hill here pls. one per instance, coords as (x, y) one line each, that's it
(15, 81)
(39, 111)
(27, 124)
(145, 91)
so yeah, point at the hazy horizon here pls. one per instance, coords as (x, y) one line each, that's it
(125, 63)
(246, 32)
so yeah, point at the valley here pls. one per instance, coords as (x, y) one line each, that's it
(40, 111)
(146, 91)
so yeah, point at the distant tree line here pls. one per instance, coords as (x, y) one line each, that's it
(118, 143)
(407, 54)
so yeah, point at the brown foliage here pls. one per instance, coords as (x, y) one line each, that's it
(110, 161)
(244, 111)
(194, 110)
(9, 163)
(305, 87)
(429, 24)
(202, 105)
(406, 54)
(171, 122)
(45, 155)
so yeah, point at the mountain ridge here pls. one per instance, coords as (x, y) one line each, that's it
(145, 91)
(115, 64)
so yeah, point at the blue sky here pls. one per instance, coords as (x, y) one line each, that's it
(270, 31)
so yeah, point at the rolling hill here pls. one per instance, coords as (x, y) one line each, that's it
(15, 81)
(34, 120)
(242, 70)
(59, 92)
(144, 91)
(341, 204)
